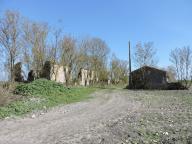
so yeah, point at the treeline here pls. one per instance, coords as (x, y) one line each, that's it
(34, 43)
(180, 58)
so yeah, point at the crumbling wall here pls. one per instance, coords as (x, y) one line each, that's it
(82, 77)
(46, 71)
(57, 74)
(92, 77)
(86, 77)
(53, 72)
(17, 72)
(31, 76)
(68, 75)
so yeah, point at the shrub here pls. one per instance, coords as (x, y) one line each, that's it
(40, 87)
(42, 93)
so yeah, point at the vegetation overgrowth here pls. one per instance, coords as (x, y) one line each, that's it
(42, 94)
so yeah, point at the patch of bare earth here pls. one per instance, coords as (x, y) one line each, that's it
(7, 97)
(117, 116)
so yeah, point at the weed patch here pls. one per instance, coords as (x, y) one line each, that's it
(43, 93)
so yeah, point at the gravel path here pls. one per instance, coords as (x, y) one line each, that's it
(83, 122)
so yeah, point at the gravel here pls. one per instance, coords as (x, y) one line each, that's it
(111, 116)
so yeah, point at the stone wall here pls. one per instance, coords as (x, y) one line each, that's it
(31, 76)
(86, 77)
(57, 74)
(53, 72)
(17, 72)
(63, 75)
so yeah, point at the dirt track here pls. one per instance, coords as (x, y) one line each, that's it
(83, 122)
(110, 117)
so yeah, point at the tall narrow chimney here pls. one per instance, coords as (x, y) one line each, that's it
(130, 78)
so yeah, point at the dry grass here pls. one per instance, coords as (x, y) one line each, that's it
(3, 96)
(6, 93)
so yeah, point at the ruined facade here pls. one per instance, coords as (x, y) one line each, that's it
(17, 72)
(31, 76)
(63, 75)
(86, 77)
(57, 74)
(53, 72)
(68, 75)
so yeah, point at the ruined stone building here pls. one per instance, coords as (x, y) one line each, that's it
(31, 76)
(53, 72)
(68, 75)
(57, 74)
(18, 73)
(86, 77)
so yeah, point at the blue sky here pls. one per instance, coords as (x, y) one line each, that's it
(168, 23)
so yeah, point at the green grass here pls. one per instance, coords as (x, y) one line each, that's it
(43, 93)
(111, 86)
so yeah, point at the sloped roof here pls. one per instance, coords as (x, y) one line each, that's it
(148, 68)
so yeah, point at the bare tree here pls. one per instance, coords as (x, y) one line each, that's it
(94, 54)
(187, 55)
(35, 45)
(55, 48)
(119, 70)
(83, 57)
(182, 63)
(69, 49)
(145, 55)
(175, 59)
(26, 44)
(54, 51)
(171, 73)
(10, 39)
(124, 71)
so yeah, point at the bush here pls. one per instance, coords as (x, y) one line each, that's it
(176, 86)
(40, 87)
(42, 93)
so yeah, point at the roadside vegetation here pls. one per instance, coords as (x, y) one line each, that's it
(38, 95)
(165, 116)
